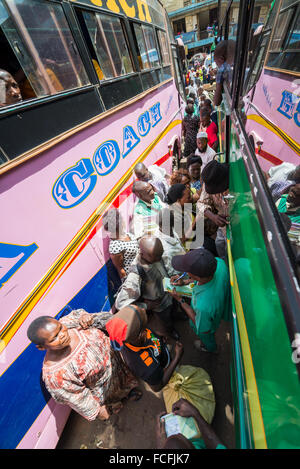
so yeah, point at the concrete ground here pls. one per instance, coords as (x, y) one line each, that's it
(134, 427)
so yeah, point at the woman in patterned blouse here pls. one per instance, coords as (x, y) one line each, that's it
(80, 369)
(123, 246)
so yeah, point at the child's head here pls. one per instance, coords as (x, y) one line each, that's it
(194, 164)
(205, 117)
(207, 104)
(180, 176)
(192, 95)
(202, 99)
(190, 101)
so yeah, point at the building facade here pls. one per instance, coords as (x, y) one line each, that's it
(191, 20)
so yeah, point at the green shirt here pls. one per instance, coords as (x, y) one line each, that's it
(142, 208)
(199, 444)
(211, 301)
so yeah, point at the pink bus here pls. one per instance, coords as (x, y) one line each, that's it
(90, 102)
(272, 87)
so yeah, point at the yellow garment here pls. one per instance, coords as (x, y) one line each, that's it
(194, 385)
(54, 80)
(98, 69)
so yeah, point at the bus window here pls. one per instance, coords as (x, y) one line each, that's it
(253, 74)
(284, 51)
(151, 46)
(226, 71)
(165, 55)
(147, 49)
(40, 53)
(291, 57)
(142, 50)
(258, 40)
(109, 42)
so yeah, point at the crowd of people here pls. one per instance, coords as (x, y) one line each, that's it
(175, 243)
(94, 362)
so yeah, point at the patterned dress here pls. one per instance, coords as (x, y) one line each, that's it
(130, 250)
(190, 127)
(93, 375)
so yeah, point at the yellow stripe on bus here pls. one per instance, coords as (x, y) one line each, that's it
(259, 435)
(40, 289)
(276, 130)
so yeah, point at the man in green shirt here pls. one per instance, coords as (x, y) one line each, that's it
(146, 209)
(210, 296)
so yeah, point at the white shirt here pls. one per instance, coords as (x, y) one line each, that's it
(172, 247)
(280, 172)
(207, 156)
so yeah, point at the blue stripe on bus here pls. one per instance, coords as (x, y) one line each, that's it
(22, 392)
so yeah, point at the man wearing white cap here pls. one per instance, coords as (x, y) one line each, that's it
(203, 149)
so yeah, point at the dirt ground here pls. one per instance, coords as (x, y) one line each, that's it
(134, 427)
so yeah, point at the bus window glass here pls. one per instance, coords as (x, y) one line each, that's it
(287, 3)
(233, 22)
(117, 43)
(253, 75)
(142, 50)
(291, 57)
(222, 11)
(284, 51)
(294, 39)
(43, 54)
(110, 45)
(257, 43)
(151, 46)
(225, 71)
(280, 30)
(162, 38)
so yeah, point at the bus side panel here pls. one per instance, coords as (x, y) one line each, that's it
(272, 388)
(70, 268)
(273, 122)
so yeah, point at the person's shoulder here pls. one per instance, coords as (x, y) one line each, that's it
(222, 268)
(139, 208)
(281, 203)
(211, 151)
(116, 246)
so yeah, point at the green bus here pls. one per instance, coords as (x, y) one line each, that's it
(264, 273)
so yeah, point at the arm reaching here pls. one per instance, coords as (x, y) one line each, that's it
(185, 409)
